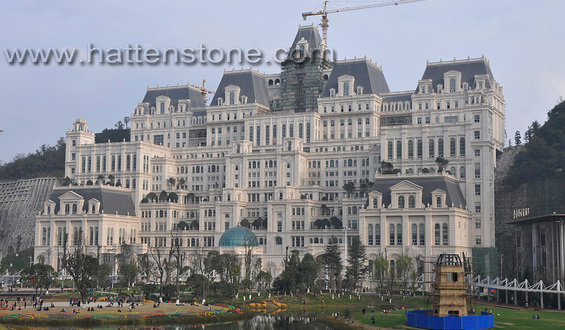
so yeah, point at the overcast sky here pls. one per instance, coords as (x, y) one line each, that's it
(523, 39)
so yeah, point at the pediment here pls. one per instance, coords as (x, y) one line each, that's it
(70, 196)
(438, 192)
(93, 201)
(406, 185)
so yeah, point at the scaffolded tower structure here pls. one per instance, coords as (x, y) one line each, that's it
(450, 288)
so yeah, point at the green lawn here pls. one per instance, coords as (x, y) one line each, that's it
(503, 319)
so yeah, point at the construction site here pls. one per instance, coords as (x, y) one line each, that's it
(20, 202)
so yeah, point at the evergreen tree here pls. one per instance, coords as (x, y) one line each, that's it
(356, 259)
(308, 271)
(332, 263)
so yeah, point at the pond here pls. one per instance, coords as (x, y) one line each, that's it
(259, 321)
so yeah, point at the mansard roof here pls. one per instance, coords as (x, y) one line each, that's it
(429, 183)
(397, 96)
(175, 93)
(251, 83)
(111, 199)
(367, 74)
(311, 34)
(468, 68)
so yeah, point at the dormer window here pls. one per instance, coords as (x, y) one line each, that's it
(162, 108)
(220, 101)
(232, 97)
(465, 86)
(452, 85)
(345, 85)
(332, 92)
(244, 99)
(439, 88)
(359, 90)
(400, 202)
(439, 201)
(232, 94)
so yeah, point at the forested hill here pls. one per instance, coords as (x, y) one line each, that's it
(543, 156)
(47, 161)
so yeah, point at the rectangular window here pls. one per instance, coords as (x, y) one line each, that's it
(477, 152)
(477, 170)
(477, 207)
(477, 190)
(477, 118)
(478, 240)
(477, 135)
(477, 223)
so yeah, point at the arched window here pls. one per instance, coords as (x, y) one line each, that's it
(251, 134)
(410, 149)
(346, 88)
(462, 172)
(438, 201)
(283, 130)
(462, 147)
(162, 107)
(452, 150)
(420, 149)
(278, 240)
(400, 202)
(411, 202)
(67, 209)
(422, 234)
(414, 234)
(300, 130)
(391, 229)
(431, 145)
(437, 234)
(291, 130)
(398, 149)
(370, 234)
(75, 209)
(445, 234)
(399, 234)
(267, 134)
(258, 135)
(232, 97)
(389, 150)
(440, 147)
(452, 85)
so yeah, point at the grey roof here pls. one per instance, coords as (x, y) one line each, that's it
(366, 75)
(310, 34)
(468, 69)
(398, 97)
(111, 200)
(251, 83)
(176, 93)
(428, 183)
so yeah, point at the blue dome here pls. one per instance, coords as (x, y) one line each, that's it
(238, 236)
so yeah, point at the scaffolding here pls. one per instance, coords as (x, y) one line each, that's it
(20, 202)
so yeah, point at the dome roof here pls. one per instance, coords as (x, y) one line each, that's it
(238, 236)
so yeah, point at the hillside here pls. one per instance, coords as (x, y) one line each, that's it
(47, 161)
(530, 176)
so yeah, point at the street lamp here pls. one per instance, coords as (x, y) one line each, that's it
(30, 261)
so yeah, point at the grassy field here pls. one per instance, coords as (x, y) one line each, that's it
(503, 318)
(324, 305)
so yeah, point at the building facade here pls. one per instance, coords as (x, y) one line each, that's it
(262, 154)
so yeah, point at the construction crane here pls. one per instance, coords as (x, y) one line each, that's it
(324, 12)
(204, 92)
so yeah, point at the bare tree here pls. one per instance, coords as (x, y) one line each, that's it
(160, 262)
(178, 254)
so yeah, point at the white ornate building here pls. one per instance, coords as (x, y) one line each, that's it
(275, 150)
